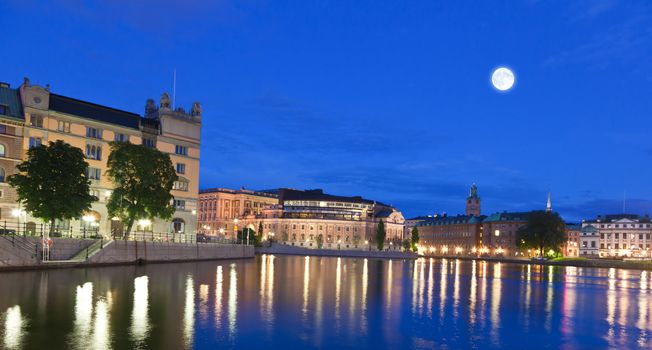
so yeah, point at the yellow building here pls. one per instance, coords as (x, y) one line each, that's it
(90, 127)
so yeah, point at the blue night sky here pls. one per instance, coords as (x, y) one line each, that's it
(387, 100)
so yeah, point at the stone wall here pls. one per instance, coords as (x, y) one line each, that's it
(133, 251)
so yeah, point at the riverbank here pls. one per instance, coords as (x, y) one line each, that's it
(598, 263)
(283, 249)
(23, 253)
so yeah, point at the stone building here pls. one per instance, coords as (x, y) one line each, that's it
(219, 208)
(443, 234)
(300, 218)
(589, 240)
(571, 248)
(47, 116)
(11, 148)
(623, 235)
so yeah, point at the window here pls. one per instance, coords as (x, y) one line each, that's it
(34, 142)
(2, 150)
(4, 109)
(180, 185)
(36, 120)
(3, 129)
(94, 152)
(93, 133)
(149, 142)
(2, 175)
(95, 193)
(181, 168)
(178, 225)
(93, 173)
(63, 126)
(121, 137)
(181, 150)
(179, 204)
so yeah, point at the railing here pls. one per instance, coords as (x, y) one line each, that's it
(21, 243)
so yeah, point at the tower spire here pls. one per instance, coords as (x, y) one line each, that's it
(548, 204)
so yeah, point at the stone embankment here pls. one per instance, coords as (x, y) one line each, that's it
(283, 249)
(597, 263)
(26, 252)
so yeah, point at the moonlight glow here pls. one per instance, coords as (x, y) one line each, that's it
(502, 79)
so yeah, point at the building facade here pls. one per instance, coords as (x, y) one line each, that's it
(220, 209)
(572, 246)
(589, 241)
(307, 218)
(623, 235)
(91, 127)
(460, 234)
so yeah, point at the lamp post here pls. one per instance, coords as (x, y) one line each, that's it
(17, 213)
(235, 229)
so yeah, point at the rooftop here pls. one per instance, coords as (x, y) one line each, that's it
(10, 99)
(90, 110)
(287, 194)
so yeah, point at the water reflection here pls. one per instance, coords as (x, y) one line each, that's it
(14, 328)
(83, 316)
(189, 312)
(140, 310)
(219, 278)
(298, 302)
(233, 300)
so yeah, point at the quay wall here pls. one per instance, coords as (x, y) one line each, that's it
(295, 250)
(142, 251)
(26, 252)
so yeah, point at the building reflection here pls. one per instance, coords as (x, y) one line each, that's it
(140, 310)
(472, 292)
(390, 282)
(442, 285)
(431, 287)
(14, 332)
(233, 300)
(219, 279)
(101, 329)
(456, 289)
(338, 290)
(189, 312)
(496, 293)
(306, 285)
(83, 316)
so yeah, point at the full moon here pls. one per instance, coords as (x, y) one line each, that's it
(502, 79)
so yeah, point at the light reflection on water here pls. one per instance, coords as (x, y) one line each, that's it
(304, 302)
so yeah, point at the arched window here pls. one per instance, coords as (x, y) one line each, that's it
(2, 175)
(2, 150)
(178, 225)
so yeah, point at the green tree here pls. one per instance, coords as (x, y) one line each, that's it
(406, 244)
(414, 239)
(143, 178)
(259, 236)
(242, 235)
(380, 235)
(320, 241)
(52, 183)
(543, 231)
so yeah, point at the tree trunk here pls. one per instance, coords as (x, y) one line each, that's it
(130, 224)
(52, 221)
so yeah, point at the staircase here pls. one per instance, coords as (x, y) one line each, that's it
(85, 253)
(22, 246)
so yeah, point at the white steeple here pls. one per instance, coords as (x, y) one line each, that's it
(549, 204)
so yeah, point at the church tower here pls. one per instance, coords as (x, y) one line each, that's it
(473, 202)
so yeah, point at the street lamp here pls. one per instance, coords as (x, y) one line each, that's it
(17, 213)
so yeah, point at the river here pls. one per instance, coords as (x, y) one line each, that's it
(297, 302)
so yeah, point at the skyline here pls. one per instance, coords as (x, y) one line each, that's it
(392, 103)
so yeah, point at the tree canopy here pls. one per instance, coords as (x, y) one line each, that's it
(380, 235)
(414, 239)
(143, 178)
(543, 231)
(52, 183)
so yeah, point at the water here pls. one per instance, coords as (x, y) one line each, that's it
(295, 302)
